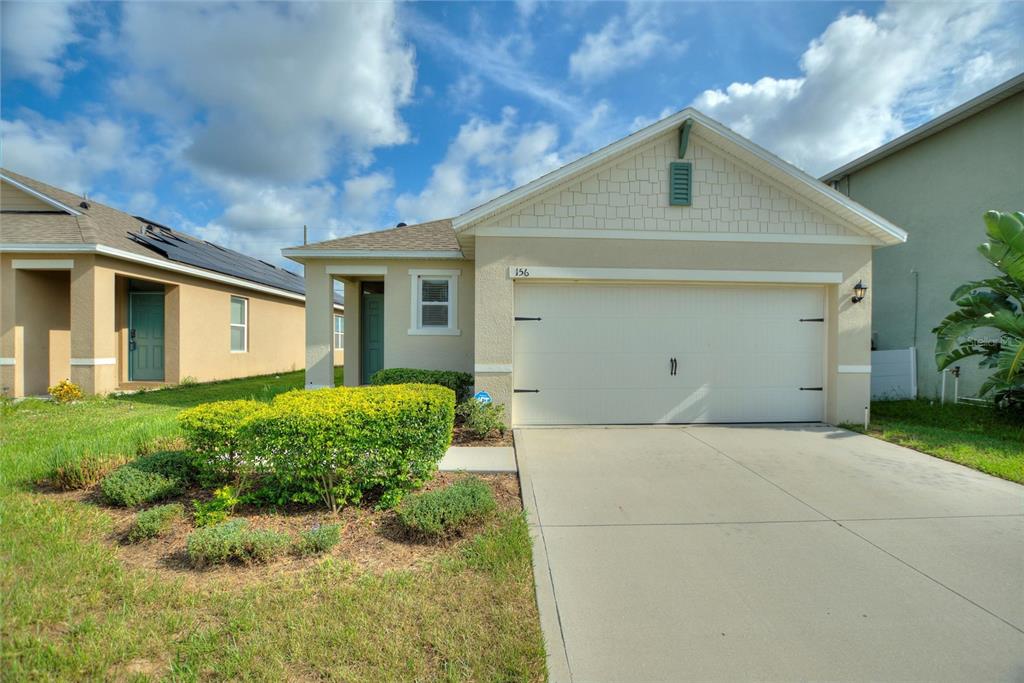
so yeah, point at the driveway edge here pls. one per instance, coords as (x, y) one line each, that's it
(547, 607)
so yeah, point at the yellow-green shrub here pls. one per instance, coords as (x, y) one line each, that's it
(337, 445)
(214, 432)
(65, 391)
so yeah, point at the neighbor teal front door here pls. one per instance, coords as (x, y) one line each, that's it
(145, 336)
(371, 335)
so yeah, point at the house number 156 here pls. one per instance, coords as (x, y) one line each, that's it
(519, 271)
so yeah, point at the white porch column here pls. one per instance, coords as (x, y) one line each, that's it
(319, 326)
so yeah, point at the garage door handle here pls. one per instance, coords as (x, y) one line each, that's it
(673, 366)
(812, 388)
(526, 391)
(519, 317)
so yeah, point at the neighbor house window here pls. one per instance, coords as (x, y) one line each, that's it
(339, 332)
(239, 324)
(434, 302)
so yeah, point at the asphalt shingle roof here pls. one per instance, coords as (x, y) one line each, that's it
(104, 225)
(432, 236)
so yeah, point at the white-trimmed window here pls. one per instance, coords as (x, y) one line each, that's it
(239, 324)
(339, 332)
(435, 302)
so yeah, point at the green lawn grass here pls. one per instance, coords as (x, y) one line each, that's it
(986, 439)
(70, 609)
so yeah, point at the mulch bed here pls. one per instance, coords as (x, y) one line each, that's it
(462, 437)
(371, 540)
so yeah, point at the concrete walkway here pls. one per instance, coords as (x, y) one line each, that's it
(479, 459)
(771, 553)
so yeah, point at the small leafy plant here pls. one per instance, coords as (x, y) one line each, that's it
(234, 541)
(217, 509)
(178, 464)
(441, 513)
(482, 419)
(318, 540)
(128, 486)
(155, 521)
(65, 391)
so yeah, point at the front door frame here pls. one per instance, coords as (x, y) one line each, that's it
(364, 328)
(132, 295)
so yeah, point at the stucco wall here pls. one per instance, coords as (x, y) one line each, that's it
(848, 337)
(938, 189)
(631, 193)
(196, 323)
(401, 349)
(43, 312)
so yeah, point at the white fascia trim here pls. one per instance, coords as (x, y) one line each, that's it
(353, 253)
(672, 275)
(356, 270)
(497, 368)
(570, 233)
(43, 264)
(40, 196)
(893, 234)
(94, 361)
(6, 361)
(148, 261)
(854, 369)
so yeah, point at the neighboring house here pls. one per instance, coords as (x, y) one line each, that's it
(111, 301)
(681, 274)
(937, 181)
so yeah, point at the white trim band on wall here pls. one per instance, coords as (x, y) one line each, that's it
(356, 270)
(6, 361)
(671, 236)
(42, 264)
(93, 361)
(672, 275)
(854, 369)
(492, 368)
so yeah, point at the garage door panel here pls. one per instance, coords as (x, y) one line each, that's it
(600, 353)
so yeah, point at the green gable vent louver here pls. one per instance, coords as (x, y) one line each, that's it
(680, 182)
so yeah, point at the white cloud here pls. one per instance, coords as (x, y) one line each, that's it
(34, 38)
(366, 197)
(276, 91)
(466, 89)
(624, 42)
(485, 159)
(72, 155)
(866, 79)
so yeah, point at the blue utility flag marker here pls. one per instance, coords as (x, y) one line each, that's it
(482, 397)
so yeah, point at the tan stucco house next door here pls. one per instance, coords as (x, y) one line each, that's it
(681, 274)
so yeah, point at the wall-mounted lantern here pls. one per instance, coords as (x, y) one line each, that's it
(859, 291)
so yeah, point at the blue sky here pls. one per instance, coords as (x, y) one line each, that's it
(242, 122)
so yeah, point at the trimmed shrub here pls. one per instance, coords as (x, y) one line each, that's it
(65, 391)
(234, 541)
(459, 382)
(178, 465)
(336, 445)
(129, 486)
(318, 540)
(214, 432)
(482, 419)
(440, 513)
(85, 471)
(155, 521)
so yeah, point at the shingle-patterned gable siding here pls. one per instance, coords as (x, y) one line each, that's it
(632, 193)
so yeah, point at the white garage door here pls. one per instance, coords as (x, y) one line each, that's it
(638, 354)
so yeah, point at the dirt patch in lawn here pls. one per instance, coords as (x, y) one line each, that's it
(371, 540)
(463, 437)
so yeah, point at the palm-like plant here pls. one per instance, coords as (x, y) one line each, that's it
(989, 320)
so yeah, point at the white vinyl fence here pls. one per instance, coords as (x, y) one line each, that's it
(893, 374)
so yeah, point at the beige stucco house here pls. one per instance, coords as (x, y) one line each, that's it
(681, 274)
(114, 301)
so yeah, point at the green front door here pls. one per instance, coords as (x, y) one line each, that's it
(145, 336)
(371, 335)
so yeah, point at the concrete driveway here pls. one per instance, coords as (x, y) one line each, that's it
(771, 553)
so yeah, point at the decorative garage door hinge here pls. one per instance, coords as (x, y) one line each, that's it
(812, 388)
(526, 391)
(812, 320)
(519, 317)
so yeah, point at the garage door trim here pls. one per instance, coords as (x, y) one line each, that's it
(668, 275)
